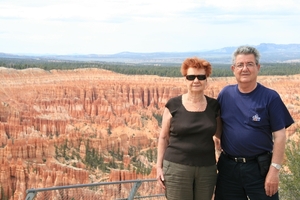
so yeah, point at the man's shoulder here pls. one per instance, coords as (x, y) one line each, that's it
(266, 91)
(228, 88)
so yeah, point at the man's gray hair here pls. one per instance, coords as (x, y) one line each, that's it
(246, 50)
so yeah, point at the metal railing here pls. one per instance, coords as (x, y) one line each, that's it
(120, 190)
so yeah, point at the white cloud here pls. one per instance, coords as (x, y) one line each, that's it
(104, 26)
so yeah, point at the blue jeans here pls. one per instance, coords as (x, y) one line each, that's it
(240, 181)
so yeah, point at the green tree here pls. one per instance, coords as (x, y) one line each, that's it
(290, 180)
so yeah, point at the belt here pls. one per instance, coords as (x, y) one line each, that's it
(239, 159)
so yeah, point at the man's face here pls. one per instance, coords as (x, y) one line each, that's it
(245, 68)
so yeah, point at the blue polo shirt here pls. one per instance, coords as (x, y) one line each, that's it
(250, 118)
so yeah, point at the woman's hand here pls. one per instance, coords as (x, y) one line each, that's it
(160, 177)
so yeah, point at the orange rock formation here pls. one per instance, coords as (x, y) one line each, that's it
(89, 109)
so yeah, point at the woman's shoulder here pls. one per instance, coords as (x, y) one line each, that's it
(212, 102)
(210, 99)
(174, 102)
(176, 99)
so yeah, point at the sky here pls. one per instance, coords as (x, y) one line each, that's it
(145, 26)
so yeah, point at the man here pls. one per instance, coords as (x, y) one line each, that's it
(253, 138)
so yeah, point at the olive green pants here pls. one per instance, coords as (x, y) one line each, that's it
(184, 182)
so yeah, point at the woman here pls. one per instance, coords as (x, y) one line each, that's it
(186, 162)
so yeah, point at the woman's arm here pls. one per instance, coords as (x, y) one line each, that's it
(163, 142)
(217, 136)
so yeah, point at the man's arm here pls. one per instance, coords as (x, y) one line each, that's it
(272, 179)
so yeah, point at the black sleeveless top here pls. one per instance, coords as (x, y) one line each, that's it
(191, 133)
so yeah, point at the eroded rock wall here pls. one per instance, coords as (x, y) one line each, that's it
(90, 108)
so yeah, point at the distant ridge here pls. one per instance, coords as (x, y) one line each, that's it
(270, 53)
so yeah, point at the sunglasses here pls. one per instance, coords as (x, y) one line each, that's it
(192, 77)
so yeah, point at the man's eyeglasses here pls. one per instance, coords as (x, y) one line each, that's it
(248, 65)
(192, 77)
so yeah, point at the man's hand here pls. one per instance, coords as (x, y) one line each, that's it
(272, 181)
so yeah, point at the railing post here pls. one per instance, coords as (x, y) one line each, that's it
(134, 189)
(30, 194)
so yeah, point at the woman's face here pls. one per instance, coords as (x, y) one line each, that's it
(196, 85)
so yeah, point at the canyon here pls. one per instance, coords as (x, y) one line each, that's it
(52, 122)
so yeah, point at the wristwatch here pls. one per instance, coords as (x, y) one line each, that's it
(277, 166)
